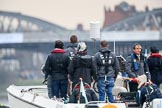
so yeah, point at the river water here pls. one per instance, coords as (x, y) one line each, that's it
(4, 102)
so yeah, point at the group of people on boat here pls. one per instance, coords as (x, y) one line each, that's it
(72, 63)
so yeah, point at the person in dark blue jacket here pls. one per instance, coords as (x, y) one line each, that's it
(71, 50)
(154, 62)
(57, 66)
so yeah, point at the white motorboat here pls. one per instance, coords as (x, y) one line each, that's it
(36, 97)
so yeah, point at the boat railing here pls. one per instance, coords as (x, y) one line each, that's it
(36, 91)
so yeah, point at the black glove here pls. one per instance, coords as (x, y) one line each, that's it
(44, 82)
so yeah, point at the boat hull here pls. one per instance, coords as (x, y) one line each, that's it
(15, 102)
(25, 97)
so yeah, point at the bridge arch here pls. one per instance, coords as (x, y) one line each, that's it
(16, 22)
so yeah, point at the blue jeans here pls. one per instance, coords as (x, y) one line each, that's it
(105, 87)
(59, 88)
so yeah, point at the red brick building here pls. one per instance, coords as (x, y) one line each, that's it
(121, 11)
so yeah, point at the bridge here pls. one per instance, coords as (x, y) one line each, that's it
(17, 22)
(25, 41)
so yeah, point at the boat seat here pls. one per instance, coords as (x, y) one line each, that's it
(127, 96)
(117, 89)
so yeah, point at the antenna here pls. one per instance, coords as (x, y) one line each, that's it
(114, 46)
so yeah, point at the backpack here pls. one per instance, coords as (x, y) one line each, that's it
(71, 51)
(105, 60)
(142, 94)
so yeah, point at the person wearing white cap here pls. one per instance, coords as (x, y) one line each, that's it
(82, 66)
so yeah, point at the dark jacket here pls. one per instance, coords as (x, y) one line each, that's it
(142, 66)
(82, 66)
(113, 63)
(57, 64)
(154, 62)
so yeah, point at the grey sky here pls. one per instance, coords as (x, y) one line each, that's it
(68, 13)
